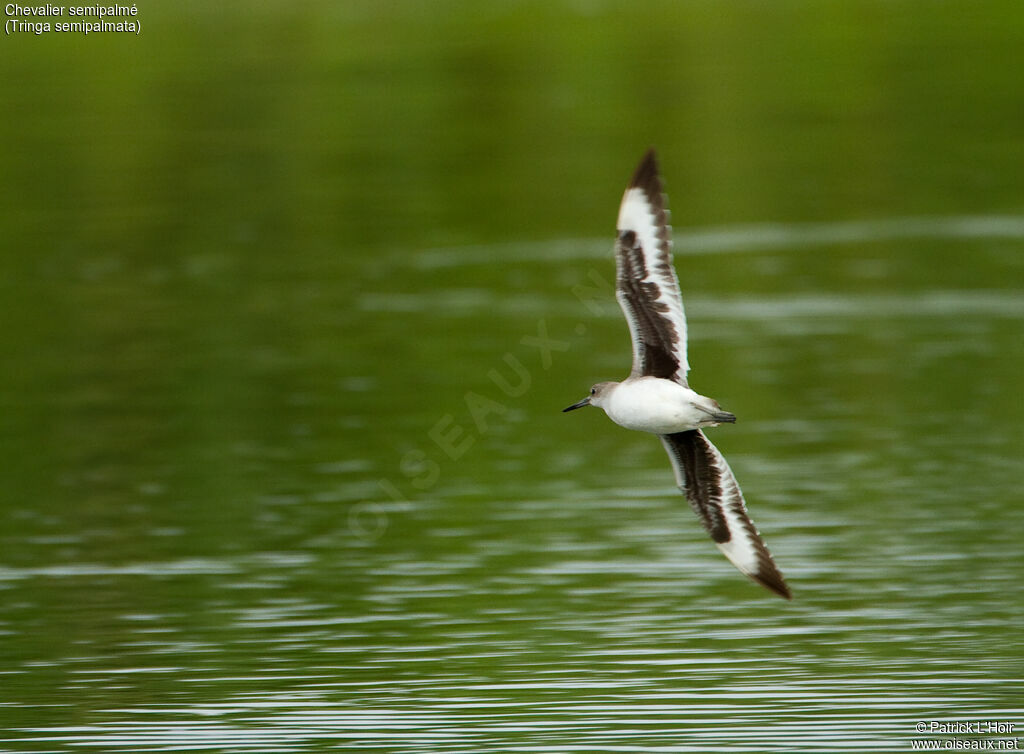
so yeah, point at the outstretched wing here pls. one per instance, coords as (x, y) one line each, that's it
(704, 476)
(646, 287)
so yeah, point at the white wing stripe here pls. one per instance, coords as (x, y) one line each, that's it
(704, 476)
(645, 264)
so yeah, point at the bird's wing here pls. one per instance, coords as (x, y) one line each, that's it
(646, 285)
(704, 476)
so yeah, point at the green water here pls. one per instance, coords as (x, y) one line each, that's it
(291, 299)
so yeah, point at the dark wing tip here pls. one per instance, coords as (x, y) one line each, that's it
(772, 580)
(646, 175)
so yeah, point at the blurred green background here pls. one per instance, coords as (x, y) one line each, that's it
(256, 260)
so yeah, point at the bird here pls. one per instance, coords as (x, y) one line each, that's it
(656, 397)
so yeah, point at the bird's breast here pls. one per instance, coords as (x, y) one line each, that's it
(651, 404)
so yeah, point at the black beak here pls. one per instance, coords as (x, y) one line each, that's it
(581, 404)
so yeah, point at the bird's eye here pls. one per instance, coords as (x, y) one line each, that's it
(593, 391)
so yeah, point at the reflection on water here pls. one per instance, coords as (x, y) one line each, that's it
(860, 714)
(614, 629)
(747, 238)
(572, 602)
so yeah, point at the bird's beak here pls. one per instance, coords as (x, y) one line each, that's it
(581, 404)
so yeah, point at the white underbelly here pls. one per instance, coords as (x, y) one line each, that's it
(650, 404)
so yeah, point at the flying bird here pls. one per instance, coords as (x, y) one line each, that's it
(656, 396)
